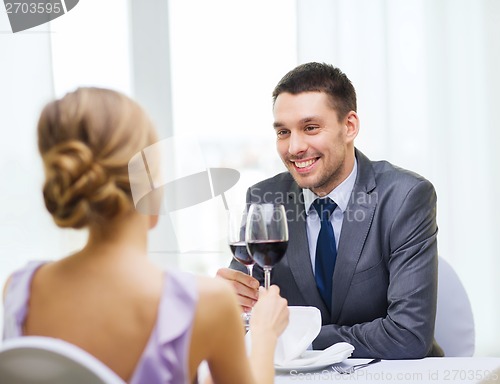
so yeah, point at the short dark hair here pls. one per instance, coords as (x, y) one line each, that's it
(320, 77)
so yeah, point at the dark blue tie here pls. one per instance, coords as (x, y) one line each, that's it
(326, 250)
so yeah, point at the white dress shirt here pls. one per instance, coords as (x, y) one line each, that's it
(340, 196)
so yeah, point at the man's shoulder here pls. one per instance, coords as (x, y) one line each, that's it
(382, 173)
(387, 173)
(394, 185)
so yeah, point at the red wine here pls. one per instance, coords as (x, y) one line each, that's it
(267, 253)
(241, 254)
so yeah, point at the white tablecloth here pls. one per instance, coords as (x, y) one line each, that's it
(444, 370)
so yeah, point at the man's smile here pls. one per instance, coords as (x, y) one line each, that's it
(304, 166)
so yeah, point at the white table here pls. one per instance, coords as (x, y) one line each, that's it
(432, 370)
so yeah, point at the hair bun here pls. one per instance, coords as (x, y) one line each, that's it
(77, 187)
(86, 140)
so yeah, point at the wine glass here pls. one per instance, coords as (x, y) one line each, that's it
(266, 235)
(237, 244)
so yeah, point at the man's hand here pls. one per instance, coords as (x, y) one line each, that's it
(246, 287)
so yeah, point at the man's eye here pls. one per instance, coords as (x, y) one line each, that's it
(282, 132)
(311, 128)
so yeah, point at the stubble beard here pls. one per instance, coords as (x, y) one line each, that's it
(325, 183)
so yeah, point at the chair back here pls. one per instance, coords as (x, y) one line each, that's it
(454, 329)
(37, 360)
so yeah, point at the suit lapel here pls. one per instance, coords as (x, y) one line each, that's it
(355, 226)
(298, 250)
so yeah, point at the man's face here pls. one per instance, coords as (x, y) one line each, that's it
(317, 149)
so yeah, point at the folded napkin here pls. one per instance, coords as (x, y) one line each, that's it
(302, 329)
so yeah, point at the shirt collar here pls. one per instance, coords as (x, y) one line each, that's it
(339, 195)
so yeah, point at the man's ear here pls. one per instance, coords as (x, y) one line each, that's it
(351, 122)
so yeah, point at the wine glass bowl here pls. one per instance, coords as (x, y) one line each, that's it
(240, 254)
(237, 244)
(267, 253)
(266, 236)
(236, 237)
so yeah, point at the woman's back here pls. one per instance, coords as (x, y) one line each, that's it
(127, 319)
(108, 310)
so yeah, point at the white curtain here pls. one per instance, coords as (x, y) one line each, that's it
(25, 86)
(426, 74)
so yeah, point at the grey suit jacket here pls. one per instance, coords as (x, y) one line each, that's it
(385, 280)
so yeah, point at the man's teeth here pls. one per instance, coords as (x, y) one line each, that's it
(303, 164)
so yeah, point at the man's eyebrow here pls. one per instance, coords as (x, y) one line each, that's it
(305, 120)
(309, 119)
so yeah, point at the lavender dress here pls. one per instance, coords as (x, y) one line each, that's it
(165, 358)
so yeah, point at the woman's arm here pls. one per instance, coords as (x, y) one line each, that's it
(218, 334)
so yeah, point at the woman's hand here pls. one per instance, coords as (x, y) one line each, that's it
(270, 314)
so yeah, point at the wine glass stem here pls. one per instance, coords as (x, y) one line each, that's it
(267, 277)
(250, 269)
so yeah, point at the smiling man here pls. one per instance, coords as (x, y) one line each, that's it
(315, 145)
(362, 234)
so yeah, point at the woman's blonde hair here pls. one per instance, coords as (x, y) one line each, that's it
(86, 140)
